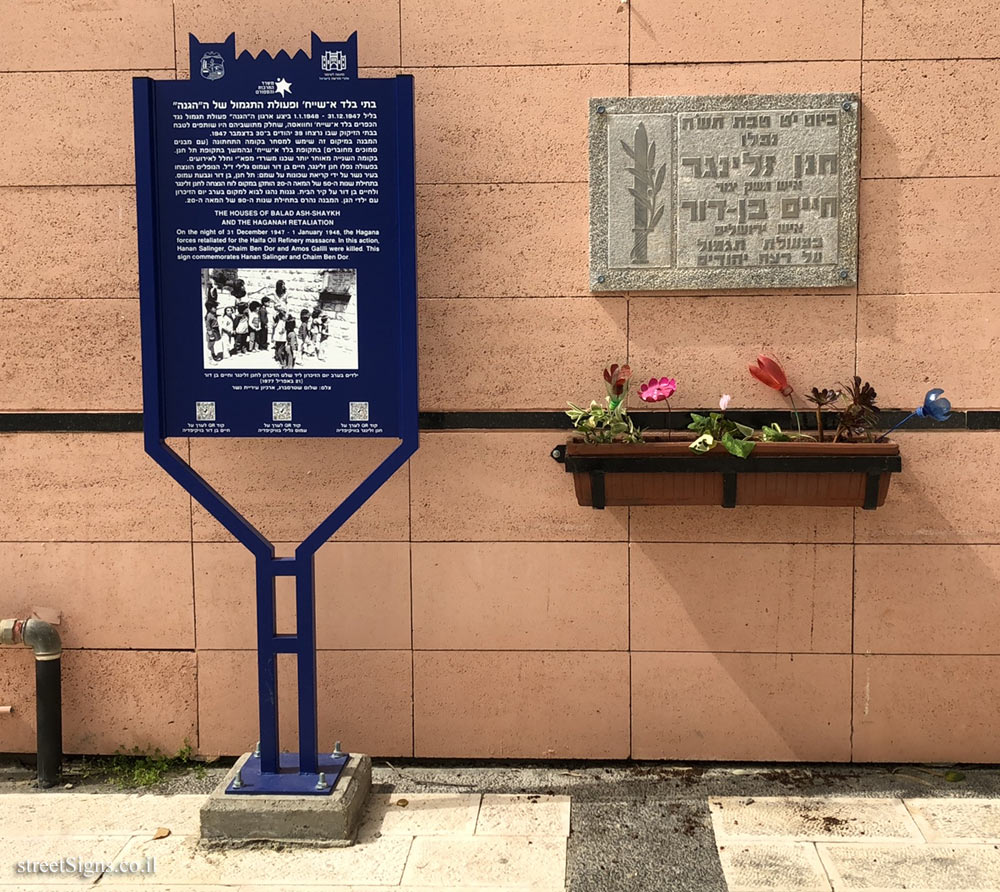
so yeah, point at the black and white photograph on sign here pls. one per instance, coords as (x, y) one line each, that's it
(267, 319)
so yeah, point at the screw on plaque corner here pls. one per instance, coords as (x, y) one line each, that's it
(601, 109)
(847, 107)
(844, 274)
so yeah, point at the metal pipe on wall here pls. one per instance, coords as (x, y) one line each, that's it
(43, 639)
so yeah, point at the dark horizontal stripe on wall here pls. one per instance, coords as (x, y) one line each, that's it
(984, 421)
(131, 422)
(679, 419)
(70, 422)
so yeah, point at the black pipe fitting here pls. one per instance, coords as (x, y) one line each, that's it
(43, 639)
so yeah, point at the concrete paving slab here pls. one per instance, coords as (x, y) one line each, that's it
(272, 888)
(915, 868)
(65, 858)
(108, 814)
(797, 818)
(182, 860)
(420, 814)
(957, 820)
(49, 887)
(528, 814)
(773, 867)
(487, 861)
(373, 889)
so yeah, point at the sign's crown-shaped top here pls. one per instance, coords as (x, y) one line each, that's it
(328, 61)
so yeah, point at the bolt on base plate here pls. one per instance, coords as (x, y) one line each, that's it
(249, 780)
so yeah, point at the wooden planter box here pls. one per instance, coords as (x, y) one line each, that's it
(842, 475)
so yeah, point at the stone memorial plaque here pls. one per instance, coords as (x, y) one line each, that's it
(701, 192)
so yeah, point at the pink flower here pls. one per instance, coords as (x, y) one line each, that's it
(724, 402)
(657, 390)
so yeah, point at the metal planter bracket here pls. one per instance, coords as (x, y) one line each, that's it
(599, 468)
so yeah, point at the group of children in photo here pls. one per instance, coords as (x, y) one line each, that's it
(265, 325)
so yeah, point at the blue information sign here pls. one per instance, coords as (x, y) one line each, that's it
(277, 227)
(277, 259)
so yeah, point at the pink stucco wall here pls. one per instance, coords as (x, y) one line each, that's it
(472, 609)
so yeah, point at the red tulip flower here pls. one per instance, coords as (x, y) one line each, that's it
(616, 378)
(769, 372)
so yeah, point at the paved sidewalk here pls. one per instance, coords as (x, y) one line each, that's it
(777, 844)
(448, 841)
(633, 827)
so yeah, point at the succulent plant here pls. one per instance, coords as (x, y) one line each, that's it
(860, 414)
(820, 398)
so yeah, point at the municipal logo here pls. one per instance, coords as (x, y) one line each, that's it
(212, 66)
(333, 61)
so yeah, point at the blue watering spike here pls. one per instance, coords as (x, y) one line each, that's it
(935, 406)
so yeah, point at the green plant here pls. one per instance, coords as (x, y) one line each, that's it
(131, 769)
(648, 181)
(860, 414)
(606, 423)
(772, 433)
(716, 428)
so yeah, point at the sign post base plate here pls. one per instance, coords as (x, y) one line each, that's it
(331, 819)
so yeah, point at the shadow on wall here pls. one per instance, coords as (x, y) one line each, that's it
(743, 651)
(879, 241)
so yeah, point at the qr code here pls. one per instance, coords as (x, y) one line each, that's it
(281, 411)
(204, 411)
(359, 411)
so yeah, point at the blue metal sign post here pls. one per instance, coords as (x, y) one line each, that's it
(277, 260)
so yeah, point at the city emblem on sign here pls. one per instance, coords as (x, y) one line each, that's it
(212, 66)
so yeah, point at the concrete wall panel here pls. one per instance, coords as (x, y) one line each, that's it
(88, 488)
(520, 353)
(70, 355)
(748, 598)
(762, 707)
(68, 242)
(744, 31)
(50, 35)
(520, 596)
(517, 32)
(520, 705)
